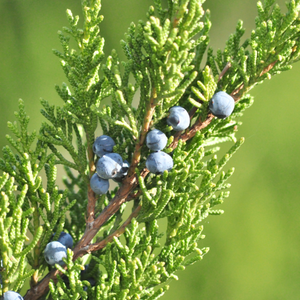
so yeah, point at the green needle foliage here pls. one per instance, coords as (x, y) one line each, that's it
(168, 62)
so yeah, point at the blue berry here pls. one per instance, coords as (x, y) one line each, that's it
(99, 185)
(123, 172)
(221, 105)
(178, 118)
(158, 162)
(54, 253)
(103, 144)
(66, 239)
(109, 165)
(11, 295)
(156, 140)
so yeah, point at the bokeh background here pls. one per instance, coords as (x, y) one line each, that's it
(255, 245)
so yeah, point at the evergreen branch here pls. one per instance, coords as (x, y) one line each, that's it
(161, 57)
(91, 194)
(129, 183)
(35, 292)
(126, 188)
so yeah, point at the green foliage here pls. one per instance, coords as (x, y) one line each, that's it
(164, 67)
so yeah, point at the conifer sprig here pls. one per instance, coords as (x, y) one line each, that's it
(164, 56)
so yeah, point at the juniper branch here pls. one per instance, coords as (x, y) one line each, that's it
(129, 184)
(160, 57)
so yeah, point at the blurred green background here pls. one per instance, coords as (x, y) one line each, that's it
(255, 245)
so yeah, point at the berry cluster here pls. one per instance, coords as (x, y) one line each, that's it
(55, 251)
(159, 161)
(109, 165)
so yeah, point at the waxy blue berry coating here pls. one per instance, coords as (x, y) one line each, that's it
(103, 144)
(158, 162)
(178, 118)
(99, 185)
(109, 165)
(54, 253)
(11, 295)
(221, 105)
(123, 172)
(66, 239)
(156, 140)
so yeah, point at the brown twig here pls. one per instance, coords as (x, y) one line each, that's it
(117, 233)
(91, 195)
(134, 196)
(37, 291)
(268, 68)
(235, 93)
(198, 125)
(192, 112)
(128, 184)
(145, 128)
(93, 225)
(226, 68)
